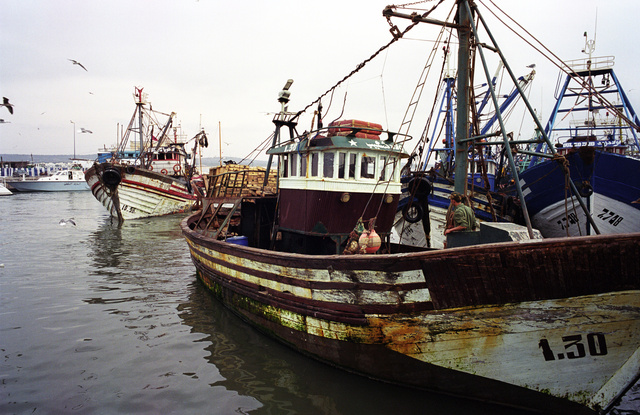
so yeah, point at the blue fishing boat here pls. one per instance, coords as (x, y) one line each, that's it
(595, 133)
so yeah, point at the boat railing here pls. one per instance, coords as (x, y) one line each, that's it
(591, 64)
(397, 138)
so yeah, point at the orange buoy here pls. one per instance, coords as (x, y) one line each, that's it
(370, 241)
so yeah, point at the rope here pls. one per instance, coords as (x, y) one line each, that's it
(560, 65)
(397, 35)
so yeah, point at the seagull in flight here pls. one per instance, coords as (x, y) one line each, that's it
(63, 222)
(82, 130)
(6, 103)
(4, 122)
(79, 64)
(533, 65)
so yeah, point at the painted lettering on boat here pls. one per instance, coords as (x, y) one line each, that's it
(610, 216)
(574, 347)
(128, 208)
(567, 221)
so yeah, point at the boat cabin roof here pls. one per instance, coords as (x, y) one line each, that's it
(322, 141)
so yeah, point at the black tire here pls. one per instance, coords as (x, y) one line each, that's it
(413, 212)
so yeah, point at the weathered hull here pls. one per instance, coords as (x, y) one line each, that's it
(534, 325)
(138, 193)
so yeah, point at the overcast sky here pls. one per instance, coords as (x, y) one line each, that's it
(223, 63)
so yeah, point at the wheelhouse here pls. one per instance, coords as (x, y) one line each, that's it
(329, 181)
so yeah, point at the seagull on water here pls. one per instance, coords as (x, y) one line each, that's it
(4, 122)
(6, 103)
(64, 222)
(79, 64)
(83, 130)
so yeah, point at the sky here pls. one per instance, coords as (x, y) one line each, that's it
(220, 65)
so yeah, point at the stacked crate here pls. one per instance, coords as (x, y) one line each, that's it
(236, 180)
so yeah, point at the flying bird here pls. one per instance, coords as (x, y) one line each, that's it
(533, 65)
(6, 103)
(4, 122)
(63, 222)
(82, 130)
(79, 64)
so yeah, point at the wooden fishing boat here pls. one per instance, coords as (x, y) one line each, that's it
(550, 325)
(150, 174)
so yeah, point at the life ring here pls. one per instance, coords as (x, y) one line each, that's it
(177, 168)
(151, 167)
(164, 171)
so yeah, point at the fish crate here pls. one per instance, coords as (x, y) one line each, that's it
(236, 180)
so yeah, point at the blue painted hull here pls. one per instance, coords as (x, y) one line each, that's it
(610, 184)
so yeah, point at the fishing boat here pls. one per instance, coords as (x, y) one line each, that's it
(549, 325)
(67, 180)
(429, 176)
(595, 129)
(150, 173)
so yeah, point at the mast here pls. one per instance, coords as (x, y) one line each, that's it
(462, 109)
(139, 105)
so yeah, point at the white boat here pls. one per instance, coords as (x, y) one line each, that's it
(4, 191)
(62, 181)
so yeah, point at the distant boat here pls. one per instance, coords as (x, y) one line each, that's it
(4, 191)
(62, 181)
(598, 138)
(150, 173)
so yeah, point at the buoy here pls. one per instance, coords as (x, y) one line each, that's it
(177, 168)
(370, 241)
(164, 171)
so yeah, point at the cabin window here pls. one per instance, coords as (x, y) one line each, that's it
(352, 166)
(285, 165)
(383, 169)
(294, 165)
(314, 164)
(327, 167)
(303, 165)
(368, 167)
(394, 171)
(342, 159)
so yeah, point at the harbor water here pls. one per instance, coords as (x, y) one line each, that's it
(97, 318)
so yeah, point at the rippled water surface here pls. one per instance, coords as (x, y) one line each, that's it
(101, 319)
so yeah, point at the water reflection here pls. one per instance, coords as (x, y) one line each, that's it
(286, 382)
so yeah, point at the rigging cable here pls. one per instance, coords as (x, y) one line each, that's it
(397, 36)
(562, 66)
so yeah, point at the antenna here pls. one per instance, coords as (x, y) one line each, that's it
(283, 96)
(590, 45)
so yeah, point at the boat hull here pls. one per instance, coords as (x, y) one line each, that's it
(48, 186)
(612, 195)
(133, 193)
(516, 324)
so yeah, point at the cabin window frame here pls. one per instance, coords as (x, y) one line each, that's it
(303, 165)
(329, 167)
(314, 164)
(367, 166)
